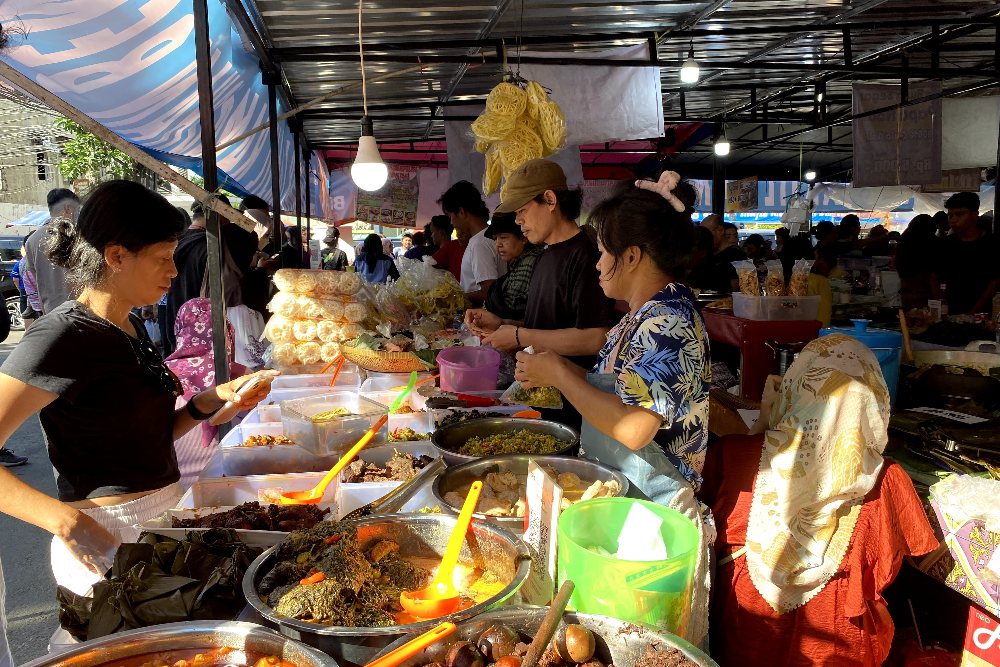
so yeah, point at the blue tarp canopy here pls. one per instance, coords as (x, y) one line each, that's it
(32, 219)
(130, 65)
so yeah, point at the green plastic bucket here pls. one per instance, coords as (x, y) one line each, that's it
(652, 593)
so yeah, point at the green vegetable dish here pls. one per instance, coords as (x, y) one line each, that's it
(516, 442)
(538, 397)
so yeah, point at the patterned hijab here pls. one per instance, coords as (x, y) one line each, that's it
(192, 361)
(821, 456)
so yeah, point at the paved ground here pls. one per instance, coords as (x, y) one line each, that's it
(31, 607)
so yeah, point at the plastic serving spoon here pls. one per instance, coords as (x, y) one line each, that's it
(419, 382)
(414, 646)
(403, 394)
(440, 597)
(315, 494)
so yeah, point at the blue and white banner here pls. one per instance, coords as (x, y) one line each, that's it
(130, 65)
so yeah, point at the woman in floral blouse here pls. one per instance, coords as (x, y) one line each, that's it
(645, 406)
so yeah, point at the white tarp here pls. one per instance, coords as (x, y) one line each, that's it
(602, 103)
(888, 198)
(970, 132)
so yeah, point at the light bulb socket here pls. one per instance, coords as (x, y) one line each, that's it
(367, 127)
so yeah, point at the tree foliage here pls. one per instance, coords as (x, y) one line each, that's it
(86, 155)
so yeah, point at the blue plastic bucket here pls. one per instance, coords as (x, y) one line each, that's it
(886, 345)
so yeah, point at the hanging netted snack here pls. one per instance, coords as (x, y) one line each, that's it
(519, 124)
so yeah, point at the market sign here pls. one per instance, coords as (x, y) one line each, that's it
(957, 180)
(395, 203)
(898, 147)
(741, 195)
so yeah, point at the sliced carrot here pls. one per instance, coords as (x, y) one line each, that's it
(333, 539)
(313, 579)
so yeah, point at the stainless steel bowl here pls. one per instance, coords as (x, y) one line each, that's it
(451, 438)
(419, 535)
(458, 478)
(249, 638)
(618, 642)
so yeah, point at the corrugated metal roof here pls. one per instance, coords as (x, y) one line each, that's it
(763, 61)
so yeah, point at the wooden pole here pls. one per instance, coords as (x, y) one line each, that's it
(213, 230)
(86, 122)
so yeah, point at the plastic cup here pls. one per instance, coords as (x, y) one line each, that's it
(469, 368)
(652, 593)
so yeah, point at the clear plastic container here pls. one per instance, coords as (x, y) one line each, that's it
(382, 385)
(278, 396)
(775, 307)
(267, 460)
(653, 593)
(469, 368)
(263, 414)
(350, 376)
(420, 421)
(356, 494)
(334, 437)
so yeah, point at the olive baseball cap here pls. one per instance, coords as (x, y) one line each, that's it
(530, 180)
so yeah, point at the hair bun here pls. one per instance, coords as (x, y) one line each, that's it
(61, 237)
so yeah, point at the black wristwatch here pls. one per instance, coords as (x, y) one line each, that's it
(195, 413)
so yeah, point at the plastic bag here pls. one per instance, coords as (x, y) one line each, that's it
(536, 397)
(971, 498)
(799, 284)
(774, 283)
(747, 274)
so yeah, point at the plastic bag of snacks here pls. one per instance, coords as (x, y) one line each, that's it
(799, 284)
(747, 274)
(774, 283)
(318, 283)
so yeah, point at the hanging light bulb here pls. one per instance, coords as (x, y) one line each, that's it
(810, 175)
(690, 72)
(368, 171)
(722, 144)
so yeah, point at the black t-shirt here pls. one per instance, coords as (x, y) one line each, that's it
(967, 267)
(721, 272)
(110, 431)
(565, 292)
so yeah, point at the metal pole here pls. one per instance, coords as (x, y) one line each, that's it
(295, 125)
(719, 186)
(272, 113)
(213, 228)
(307, 159)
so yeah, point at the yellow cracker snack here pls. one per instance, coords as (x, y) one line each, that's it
(774, 283)
(493, 171)
(493, 127)
(309, 353)
(482, 146)
(553, 126)
(536, 98)
(506, 99)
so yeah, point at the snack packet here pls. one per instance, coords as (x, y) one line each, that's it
(799, 284)
(749, 282)
(774, 283)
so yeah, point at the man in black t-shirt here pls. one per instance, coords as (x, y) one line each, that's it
(968, 261)
(567, 311)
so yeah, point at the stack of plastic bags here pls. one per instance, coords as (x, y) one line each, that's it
(313, 312)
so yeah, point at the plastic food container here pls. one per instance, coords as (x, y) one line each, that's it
(469, 368)
(350, 376)
(775, 307)
(420, 421)
(885, 344)
(652, 593)
(263, 414)
(334, 437)
(356, 494)
(270, 459)
(278, 396)
(233, 491)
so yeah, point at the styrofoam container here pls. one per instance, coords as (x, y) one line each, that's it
(350, 376)
(775, 307)
(420, 421)
(379, 383)
(233, 491)
(268, 460)
(334, 437)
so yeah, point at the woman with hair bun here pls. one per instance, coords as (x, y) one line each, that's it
(104, 397)
(645, 405)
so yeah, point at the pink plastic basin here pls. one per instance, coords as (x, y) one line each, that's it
(469, 368)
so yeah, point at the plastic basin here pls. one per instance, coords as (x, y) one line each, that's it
(652, 593)
(469, 368)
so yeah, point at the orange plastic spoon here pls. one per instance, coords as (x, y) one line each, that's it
(414, 646)
(315, 494)
(440, 597)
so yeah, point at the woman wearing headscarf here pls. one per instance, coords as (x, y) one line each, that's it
(373, 264)
(194, 365)
(812, 522)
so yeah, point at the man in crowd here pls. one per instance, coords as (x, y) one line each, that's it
(333, 258)
(968, 259)
(565, 291)
(756, 249)
(721, 274)
(405, 243)
(481, 264)
(49, 278)
(825, 233)
(849, 231)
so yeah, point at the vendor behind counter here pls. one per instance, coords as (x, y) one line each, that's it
(968, 260)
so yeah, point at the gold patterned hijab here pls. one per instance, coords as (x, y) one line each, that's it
(821, 456)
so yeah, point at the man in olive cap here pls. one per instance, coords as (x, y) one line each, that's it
(565, 292)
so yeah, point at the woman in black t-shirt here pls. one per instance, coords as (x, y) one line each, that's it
(104, 397)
